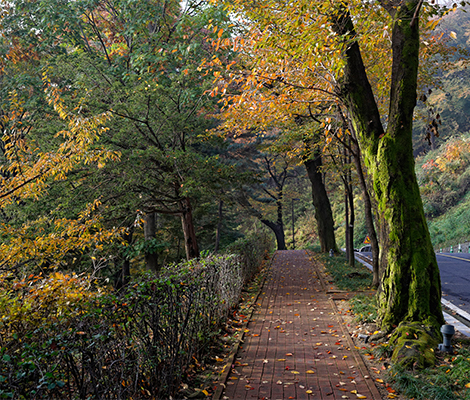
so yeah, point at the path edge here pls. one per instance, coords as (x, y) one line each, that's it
(223, 378)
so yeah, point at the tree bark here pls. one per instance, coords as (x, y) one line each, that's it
(190, 240)
(321, 202)
(410, 289)
(366, 198)
(150, 234)
(278, 226)
(219, 227)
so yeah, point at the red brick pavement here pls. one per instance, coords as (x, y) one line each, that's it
(296, 347)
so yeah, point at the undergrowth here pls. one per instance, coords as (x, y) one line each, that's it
(344, 276)
(450, 379)
(364, 308)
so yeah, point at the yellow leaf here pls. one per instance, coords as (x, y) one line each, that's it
(295, 372)
(310, 372)
(453, 35)
(467, 385)
(361, 396)
(309, 391)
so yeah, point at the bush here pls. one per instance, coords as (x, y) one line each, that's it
(252, 250)
(61, 339)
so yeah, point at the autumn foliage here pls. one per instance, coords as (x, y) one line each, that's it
(61, 336)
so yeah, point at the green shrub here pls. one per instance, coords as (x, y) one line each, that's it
(61, 339)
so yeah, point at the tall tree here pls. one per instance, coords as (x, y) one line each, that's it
(138, 63)
(338, 66)
(410, 290)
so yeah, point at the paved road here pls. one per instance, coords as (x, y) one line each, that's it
(455, 278)
(295, 345)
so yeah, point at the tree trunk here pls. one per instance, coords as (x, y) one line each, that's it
(190, 241)
(368, 215)
(278, 232)
(150, 234)
(123, 276)
(349, 220)
(219, 227)
(321, 202)
(410, 291)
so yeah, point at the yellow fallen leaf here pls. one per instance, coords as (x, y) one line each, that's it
(205, 392)
(353, 391)
(467, 385)
(310, 372)
(281, 359)
(219, 359)
(295, 372)
(361, 396)
(309, 391)
(379, 380)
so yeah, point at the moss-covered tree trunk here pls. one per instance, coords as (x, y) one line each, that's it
(410, 290)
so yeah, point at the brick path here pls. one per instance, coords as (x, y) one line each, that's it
(296, 347)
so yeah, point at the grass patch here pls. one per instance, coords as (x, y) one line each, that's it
(343, 276)
(364, 308)
(446, 381)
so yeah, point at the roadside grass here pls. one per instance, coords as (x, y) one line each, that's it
(449, 380)
(343, 276)
(364, 307)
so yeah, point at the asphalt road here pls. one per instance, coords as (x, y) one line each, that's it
(455, 278)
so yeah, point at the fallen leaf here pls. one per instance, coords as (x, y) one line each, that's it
(379, 380)
(467, 385)
(281, 359)
(289, 354)
(310, 372)
(361, 396)
(309, 391)
(295, 372)
(279, 383)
